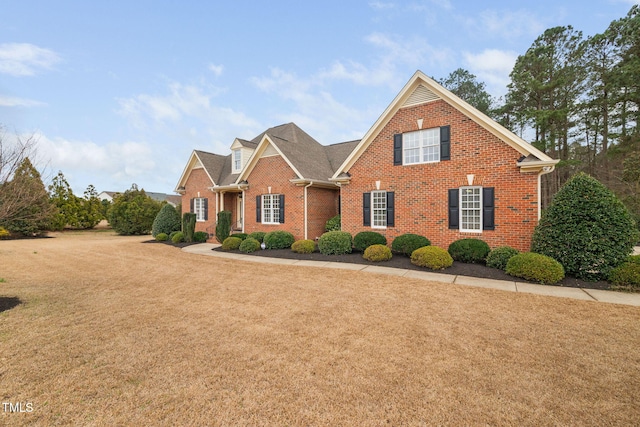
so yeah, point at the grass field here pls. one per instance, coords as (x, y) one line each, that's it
(112, 331)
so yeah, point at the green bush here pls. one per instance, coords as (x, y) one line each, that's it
(231, 243)
(335, 243)
(364, 239)
(626, 276)
(377, 252)
(258, 235)
(162, 237)
(240, 235)
(178, 237)
(472, 251)
(133, 212)
(586, 228)
(333, 224)
(200, 236)
(433, 257)
(223, 226)
(173, 233)
(407, 243)
(634, 259)
(304, 246)
(499, 257)
(249, 245)
(535, 267)
(278, 240)
(167, 220)
(188, 226)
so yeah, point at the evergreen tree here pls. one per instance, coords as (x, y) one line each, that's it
(133, 212)
(90, 209)
(465, 85)
(66, 202)
(167, 221)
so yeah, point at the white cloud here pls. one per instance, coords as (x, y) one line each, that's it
(11, 101)
(216, 69)
(504, 24)
(379, 5)
(493, 67)
(24, 59)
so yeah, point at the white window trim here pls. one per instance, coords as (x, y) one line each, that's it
(237, 151)
(272, 210)
(198, 208)
(421, 148)
(373, 210)
(466, 230)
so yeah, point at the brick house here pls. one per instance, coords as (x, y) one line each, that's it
(280, 179)
(431, 165)
(435, 166)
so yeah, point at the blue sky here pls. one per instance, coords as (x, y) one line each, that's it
(121, 92)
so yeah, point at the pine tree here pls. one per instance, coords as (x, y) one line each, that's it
(67, 203)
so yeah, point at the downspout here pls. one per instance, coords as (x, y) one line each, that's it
(243, 212)
(545, 170)
(306, 231)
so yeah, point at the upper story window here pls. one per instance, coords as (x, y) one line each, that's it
(422, 146)
(237, 160)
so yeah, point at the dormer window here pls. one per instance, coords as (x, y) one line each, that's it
(237, 161)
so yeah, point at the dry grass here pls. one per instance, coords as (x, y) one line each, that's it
(115, 332)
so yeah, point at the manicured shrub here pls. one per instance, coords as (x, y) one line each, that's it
(278, 240)
(333, 224)
(231, 243)
(173, 233)
(535, 267)
(162, 237)
(407, 243)
(303, 246)
(178, 237)
(377, 252)
(634, 259)
(167, 220)
(240, 235)
(4, 233)
(258, 235)
(335, 243)
(586, 228)
(626, 276)
(223, 226)
(433, 257)
(364, 239)
(472, 251)
(200, 236)
(188, 225)
(249, 245)
(499, 257)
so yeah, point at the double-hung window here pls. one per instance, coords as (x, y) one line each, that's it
(422, 146)
(199, 208)
(237, 160)
(379, 209)
(470, 209)
(270, 209)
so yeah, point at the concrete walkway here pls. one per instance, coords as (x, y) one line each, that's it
(504, 285)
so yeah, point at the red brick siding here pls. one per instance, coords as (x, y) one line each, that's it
(421, 191)
(198, 181)
(322, 204)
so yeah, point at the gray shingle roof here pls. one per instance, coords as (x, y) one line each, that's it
(213, 164)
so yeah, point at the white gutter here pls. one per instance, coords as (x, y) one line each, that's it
(243, 212)
(306, 231)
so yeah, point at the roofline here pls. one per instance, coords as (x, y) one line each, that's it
(255, 156)
(314, 182)
(187, 171)
(482, 119)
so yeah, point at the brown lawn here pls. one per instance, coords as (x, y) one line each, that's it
(115, 332)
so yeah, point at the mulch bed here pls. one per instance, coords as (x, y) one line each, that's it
(7, 303)
(170, 243)
(399, 261)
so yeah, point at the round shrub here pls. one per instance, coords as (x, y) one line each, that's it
(472, 251)
(200, 236)
(535, 267)
(162, 237)
(177, 237)
(258, 235)
(499, 257)
(364, 239)
(4, 233)
(240, 235)
(231, 243)
(333, 224)
(586, 228)
(626, 276)
(173, 233)
(407, 243)
(377, 253)
(303, 246)
(249, 245)
(634, 259)
(433, 257)
(335, 243)
(278, 240)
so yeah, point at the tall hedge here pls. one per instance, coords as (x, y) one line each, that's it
(586, 228)
(133, 212)
(223, 226)
(188, 225)
(167, 220)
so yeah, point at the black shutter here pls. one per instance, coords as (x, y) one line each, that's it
(206, 209)
(191, 205)
(391, 209)
(454, 209)
(258, 209)
(488, 209)
(397, 149)
(281, 197)
(366, 209)
(445, 143)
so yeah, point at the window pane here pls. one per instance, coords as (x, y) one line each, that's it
(379, 211)
(470, 209)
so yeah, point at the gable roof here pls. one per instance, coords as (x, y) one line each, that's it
(421, 89)
(211, 163)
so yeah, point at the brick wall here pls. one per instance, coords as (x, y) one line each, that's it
(421, 191)
(322, 204)
(198, 181)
